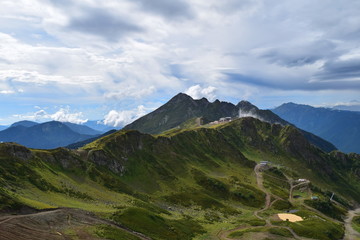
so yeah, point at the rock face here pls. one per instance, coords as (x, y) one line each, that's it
(15, 150)
(182, 108)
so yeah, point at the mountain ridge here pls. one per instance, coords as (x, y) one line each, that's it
(43, 135)
(182, 107)
(342, 128)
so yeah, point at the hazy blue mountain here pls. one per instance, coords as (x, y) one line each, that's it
(24, 123)
(82, 129)
(342, 128)
(182, 108)
(99, 126)
(2, 127)
(44, 136)
(84, 142)
(355, 107)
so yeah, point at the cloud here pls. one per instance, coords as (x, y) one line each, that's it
(168, 9)
(299, 53)
(62, 115)
(130, 92)
(110, 52)
(7, 92)
(348, 69)
(121, 118)
(353, 105)
(103, 23)
(198, 92)
(251, 113)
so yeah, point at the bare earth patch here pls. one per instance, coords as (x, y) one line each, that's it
(290, 217)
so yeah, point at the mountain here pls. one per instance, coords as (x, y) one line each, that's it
(342, 128)
(87, 141)
(179, 109)
(352, 106)
(2, 127)
(204, 182)
(182, 108)
(82, 129)
(98, 125)
(24, 123)
(45, 135)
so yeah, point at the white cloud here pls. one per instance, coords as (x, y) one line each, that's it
(7, 92)
(121, 118)
(130, 92)
(251, 113)
(198, 92)
(62, 115)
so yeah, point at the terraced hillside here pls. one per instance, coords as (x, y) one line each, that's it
(196, 183)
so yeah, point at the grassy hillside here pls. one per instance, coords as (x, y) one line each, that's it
(189, 184)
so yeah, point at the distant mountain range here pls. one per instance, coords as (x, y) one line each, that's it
(342, 128)
(98, 126)
(182, 108)
(46, 135)
(2, 127)
(89, 140)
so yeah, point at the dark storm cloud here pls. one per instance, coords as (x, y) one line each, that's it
(300, 54)
(102, 23)
(263, 82)
(298, 84)
(169, 9)
(340, 69)
(233, 6)
(61, 3)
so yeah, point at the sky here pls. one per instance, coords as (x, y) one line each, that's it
(117, 60)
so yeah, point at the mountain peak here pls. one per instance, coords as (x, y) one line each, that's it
(24, 123)
(247, 106)
(181, 97)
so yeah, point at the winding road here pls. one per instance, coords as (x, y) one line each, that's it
(223, 235)
(350, 233)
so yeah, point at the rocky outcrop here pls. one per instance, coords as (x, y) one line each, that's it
(16, 150)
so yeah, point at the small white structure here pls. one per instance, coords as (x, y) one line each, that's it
(264, 162)
(302, 180)
(225, 119)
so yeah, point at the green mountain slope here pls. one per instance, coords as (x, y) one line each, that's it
(182, 108)
(194, 184)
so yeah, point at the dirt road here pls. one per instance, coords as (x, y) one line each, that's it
(350, 233)
(55, 225)
(223, 235)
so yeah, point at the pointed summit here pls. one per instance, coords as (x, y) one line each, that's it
(246, 106)
(181, 97)
(182, 108)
